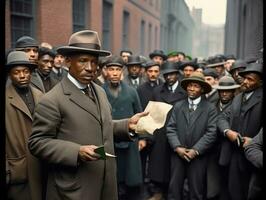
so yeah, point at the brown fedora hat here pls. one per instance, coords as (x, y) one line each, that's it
(85, 41)
(197, 77)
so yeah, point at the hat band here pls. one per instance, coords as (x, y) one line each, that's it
(86, 45)
(226, 84)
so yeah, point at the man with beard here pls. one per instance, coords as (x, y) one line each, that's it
(24, 173)
(41, 77)
(125, 103)
(159, 163)
(239, 124)
(191, 131)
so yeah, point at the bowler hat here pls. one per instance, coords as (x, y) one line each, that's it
(134, 60)
(217, 60)
(252, 68)
(198, 78)
(17, 58)
(238, 64)
(26, 41)
(251, 59)
(230, 57)
(188, 63)
(85, 41)
(210, 72)
(151, 63)
(169, 67)
(114, 61)
(157, 52)
(226, 83)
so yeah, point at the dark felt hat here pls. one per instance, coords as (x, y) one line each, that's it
(169, 67)
(252, 68)
(210, 72)
(226, 83)
(115, 61)
(158, 52)
(46, 51)
(238, 64)
(188, 63)
(85, 41)
(134, 60)
(230, 57)
(16, 58)
(198, 78)
(26, 41)
(151, 63)
(217, 60)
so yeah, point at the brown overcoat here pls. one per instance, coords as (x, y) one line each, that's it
(24, 168)
(64, 120)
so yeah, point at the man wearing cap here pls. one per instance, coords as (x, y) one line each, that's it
(188, 67)
(30, 46)
(211, 77)
(239, 124)
(217, 62)
(134, 77)
(125, 102)
(229, 60)
(72, 120)
(158, 56)
(159, 163)
(191, 131)
(24, 169)
(217, 174)
(41, 77)
(59, 69)
(237, 66)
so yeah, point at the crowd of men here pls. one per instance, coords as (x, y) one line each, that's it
(64, 102)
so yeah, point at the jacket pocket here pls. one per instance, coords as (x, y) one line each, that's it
(18, 169)
(66, 178)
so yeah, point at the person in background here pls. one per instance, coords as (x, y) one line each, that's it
(188, 67)
(217, 62)
(72, 120)
(58, 70)
(24, 175)
(229, 60)
(211, 77)
(158, 56)
(237, 66)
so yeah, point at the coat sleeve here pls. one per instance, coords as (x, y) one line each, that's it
(223, 120)
(171, 130)
(43, 142)
(210, 136)
(254, 151)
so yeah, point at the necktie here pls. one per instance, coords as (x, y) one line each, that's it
(135, 83)
(191, 107)
(171, 89)
(244, 99)
(88, 92)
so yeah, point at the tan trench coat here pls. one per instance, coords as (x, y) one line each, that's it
(64, 120)
(24, 168)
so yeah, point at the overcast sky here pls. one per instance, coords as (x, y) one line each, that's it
(213, 11)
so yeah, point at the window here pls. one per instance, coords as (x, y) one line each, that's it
(79, 15)
(107, 24)
(142, 37)
(22, 19)
(125, 39)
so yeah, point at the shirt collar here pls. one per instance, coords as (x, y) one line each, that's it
(194, 101)
(174, 86)
(76, 82)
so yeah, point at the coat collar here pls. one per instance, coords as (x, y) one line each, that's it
(255, 98)
(169, 97)
(37, 81)
(77, 97)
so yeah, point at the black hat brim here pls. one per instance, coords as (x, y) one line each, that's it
(156, 54)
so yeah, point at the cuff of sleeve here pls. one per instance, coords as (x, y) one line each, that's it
(225, 130)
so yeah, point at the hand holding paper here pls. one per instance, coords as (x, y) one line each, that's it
(155, 119)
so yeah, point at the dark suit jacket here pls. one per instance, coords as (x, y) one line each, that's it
(36, 81)
(197, 131)
(59, 77)
(127, 80)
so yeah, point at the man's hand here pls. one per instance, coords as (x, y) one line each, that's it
(86, 153)
(181, 151)
(132, 122)
(191, 153)
(232, 135)
(142, 144)
(247, 141)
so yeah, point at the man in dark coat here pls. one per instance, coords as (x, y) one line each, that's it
(25, 177)
(241, 122)
(217, 174)
(59, 69)
(211, 77)
(72, 120)
(41, 77)
(159, 163)
(125, 103)
(191, 131)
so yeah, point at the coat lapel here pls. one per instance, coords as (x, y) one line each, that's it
(17, 101)
(185, 111)
(77, 97)
(195, 115)
(254, 99)
(37, 81)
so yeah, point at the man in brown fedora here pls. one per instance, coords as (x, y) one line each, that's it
(72, 120)
(191, 131)
(23, 169)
